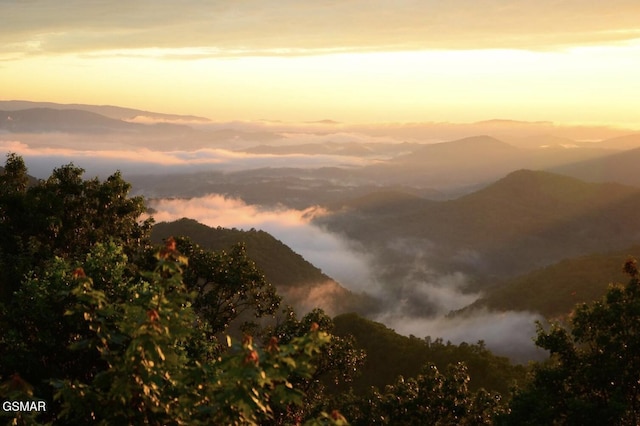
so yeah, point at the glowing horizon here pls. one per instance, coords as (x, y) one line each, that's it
(225, 63)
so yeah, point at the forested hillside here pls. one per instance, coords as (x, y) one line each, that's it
(555, 290)
(409, 354)
(102, 326)
(522, 222)
(296, 280)
(99, 326)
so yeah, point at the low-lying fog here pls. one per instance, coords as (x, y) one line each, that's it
(103, 161)
(417, 303)
(411, 306)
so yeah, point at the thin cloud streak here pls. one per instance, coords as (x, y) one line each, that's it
(42, 160)
(298, 28)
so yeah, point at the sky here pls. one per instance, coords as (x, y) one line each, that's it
(356, 61)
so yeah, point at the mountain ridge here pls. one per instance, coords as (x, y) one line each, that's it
(525, 220)
(43, 120)
(555, 290)
(299, 282)
(617, 167)
(111, 111)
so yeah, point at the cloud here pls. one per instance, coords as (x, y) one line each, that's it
(329, 295)
(505, 333)
(197, 28)
(417, 303)
(421, 303)
(337, 136)
(417, 300)
(325, 250)
(103, 157)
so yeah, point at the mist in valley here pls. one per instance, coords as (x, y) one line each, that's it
(361, 212)
(418, 301)
(359, 202)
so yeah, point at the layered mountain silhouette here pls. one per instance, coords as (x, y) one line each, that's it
(137, 128)
(41, 120)
(523, 221)
(555, 290)
(507, 231)
(619, 167)
(53, 120)
(470, 163)
(110, 111)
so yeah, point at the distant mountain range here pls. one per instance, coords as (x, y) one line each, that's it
(621, 167)
(113, 112)
(459, 206)
(137, 128)
(461, 165)
(524, 221)
(469, 163)
(444, 169)
(41, 120)
(53, 120)
(436, 171)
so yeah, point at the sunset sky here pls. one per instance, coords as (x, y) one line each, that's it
(573, 61)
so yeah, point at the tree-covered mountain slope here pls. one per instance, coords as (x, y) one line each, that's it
(524, 221)
(619, 167)
(298, 281)
(555, 290)
(390, 355)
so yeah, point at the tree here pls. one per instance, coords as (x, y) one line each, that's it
(13, 186)
(37, 333)
(14, 178)
(104, 334)
(335, 367)
(431, 398)
(227, 285)
(62, 216)
(137, 333)
(593, 376)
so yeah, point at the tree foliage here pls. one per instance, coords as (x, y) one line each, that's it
(110, 330)
(62, 216)
(593, 377)
(128, 361)
(106, 336)
(431, 398)
(149, 377)
(227, 284)
(336, 367)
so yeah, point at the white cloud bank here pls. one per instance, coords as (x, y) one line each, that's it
(325, 250)
(409, 306)
(102, 158)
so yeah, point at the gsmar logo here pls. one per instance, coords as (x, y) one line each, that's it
(24, 406)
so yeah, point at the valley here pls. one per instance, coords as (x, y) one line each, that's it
(433, 238)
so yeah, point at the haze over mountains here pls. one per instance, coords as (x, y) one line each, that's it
(404, 223)
(523, 221)
(109, 111)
